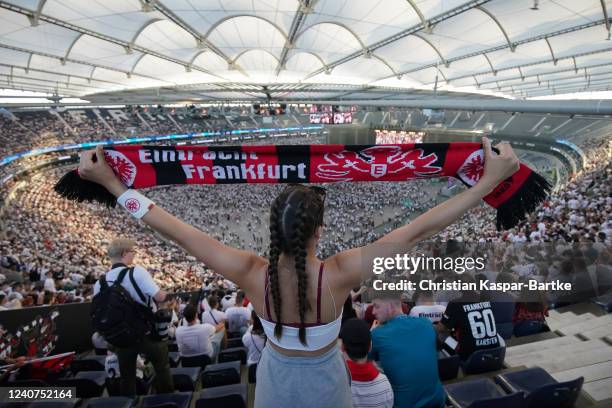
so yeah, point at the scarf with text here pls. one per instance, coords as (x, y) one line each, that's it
(140, 166)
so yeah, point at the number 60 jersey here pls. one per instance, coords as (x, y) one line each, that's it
(472, 324)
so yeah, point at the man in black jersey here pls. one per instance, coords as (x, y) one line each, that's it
(471, 322)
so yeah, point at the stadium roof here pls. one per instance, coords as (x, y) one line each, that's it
(196, 50)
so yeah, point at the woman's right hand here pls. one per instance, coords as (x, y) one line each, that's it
(498, 167)
(99, 171)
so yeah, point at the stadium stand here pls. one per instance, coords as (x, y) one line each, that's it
(307, 73)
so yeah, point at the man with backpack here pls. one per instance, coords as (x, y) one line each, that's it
(123, 311)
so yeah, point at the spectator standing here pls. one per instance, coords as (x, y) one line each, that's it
(121, 253)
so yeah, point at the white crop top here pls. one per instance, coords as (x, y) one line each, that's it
(317, 335)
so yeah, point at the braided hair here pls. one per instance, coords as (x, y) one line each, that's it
(294, 217)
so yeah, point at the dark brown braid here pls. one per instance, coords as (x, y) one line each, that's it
(298, 244)
(275, 251)
(294, 217)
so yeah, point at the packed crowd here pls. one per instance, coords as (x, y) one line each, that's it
(33, 130)
(36, 129)
(580, 212)
(398, 136)
(45, 235)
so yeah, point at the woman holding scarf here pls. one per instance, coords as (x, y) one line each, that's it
(297, 296)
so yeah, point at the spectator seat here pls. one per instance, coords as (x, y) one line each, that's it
(185, 378)
(503, 305)
(175, 400)
(111, 402)
(604, 301)
(216, 375)
(482, 361)
(540, 389)
(196, 361)
(234, 342)
(448, 367)
(92, 363)
(227, 396)
(143, 386)
(231, 354)
(69, 403)
(481, 393)
(89, 384)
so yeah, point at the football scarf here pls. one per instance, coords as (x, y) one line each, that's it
(140, 166)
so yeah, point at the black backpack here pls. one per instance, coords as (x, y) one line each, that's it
(121, 320)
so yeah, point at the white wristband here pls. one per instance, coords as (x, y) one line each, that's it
(135, 203)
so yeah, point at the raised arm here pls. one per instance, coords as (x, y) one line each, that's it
(354, 264)
(232, 263)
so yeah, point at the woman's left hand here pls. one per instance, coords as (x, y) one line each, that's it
(93, 167)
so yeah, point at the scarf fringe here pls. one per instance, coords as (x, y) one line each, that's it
(529, 196)
(72, 187)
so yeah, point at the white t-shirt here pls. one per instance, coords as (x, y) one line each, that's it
(228, 301)
(432, 312)
(254, 344)
(50, 285)
(237, 318)
(143, 279)
(214, 317)
(195, 340)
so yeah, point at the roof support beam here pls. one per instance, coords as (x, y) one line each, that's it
(442, 59)
(131, 71)
(568, 90)
(386, 63)
(127, 45)
(304, 9)
(605, 14)
(231, 17)
(556, 80)
(404, 33)
(200, 40)
(72, 45)
(501, 27)
(493, 70)
(67, 82)
(34, 17)
(576, 107)
(61, 59)
(425, 23)
(87, 78)
(536, 63)
(505, 46)
(37, 88)
(552, 53)
(540, 75)
(27, 68)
